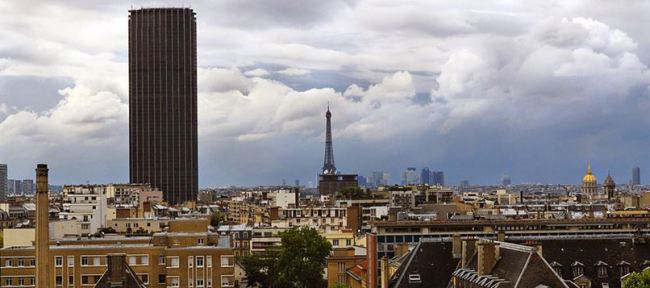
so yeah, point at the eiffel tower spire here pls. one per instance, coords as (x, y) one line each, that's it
(328, 165)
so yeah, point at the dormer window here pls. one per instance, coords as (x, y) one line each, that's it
(623, 268)
(557, 267)
(578, 269)
(601, 268)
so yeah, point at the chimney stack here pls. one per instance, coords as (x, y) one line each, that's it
(384, 275)
(456, 246)
(115, 272)
(488, 255)
(42, 228)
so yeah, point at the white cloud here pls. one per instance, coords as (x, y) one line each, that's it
(292, 71)
(259, 72)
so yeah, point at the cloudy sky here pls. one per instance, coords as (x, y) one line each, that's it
(533, 89)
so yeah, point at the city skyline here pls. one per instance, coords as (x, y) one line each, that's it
(534, 93)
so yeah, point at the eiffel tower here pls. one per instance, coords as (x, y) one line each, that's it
(328, 164)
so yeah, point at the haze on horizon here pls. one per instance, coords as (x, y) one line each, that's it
(531, 89)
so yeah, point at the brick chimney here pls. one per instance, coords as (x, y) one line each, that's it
(456, 246)
(468, 249)
(42, 228)
(385, 275)
(488, 255)
(116, 269)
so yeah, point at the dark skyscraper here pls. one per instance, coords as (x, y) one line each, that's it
(162, 101)
(636, 176)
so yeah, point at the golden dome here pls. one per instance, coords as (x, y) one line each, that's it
(589, 178)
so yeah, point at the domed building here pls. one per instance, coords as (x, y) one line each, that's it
(589, 183)
(609, 186)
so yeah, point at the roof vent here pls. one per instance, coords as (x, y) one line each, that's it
(414, 278)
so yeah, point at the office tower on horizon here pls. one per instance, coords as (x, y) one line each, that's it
(410, 176)
(4, 182)
(636, 176)
(425, 176)
(163, 101)
(505, 180)
(27, 186)
(438, 178)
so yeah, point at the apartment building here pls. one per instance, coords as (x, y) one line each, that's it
(185, 256)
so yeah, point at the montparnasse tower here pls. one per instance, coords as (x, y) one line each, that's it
(589, 183)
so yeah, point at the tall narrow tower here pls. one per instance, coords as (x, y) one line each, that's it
(328, 165)
(42, 228)
(162, 101)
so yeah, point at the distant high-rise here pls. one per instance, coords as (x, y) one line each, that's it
(163, 101)
(27, 186)
(636, 176)
(15, 186)
(4, 182)
(505, 180)
(438, 178)
(410, 176)
(425, 176)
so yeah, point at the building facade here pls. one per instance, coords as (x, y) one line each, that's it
(636, 176)
(162, 101)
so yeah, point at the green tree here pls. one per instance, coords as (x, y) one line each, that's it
(637, 280)
(352, 192)
(298, 263)
(217, 219)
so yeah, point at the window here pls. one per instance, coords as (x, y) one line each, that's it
(32, 281)
(58, 261)
(133, 260)
(227, 281)
(225, 261)
(59, 280)
(414, 278)
(161, 260)
(624, 269)
(144, 260)
(348, 242)
(84, 261)
(199, 261)
(97, 261)
(144, 278)
(190, 261)
(21, 281)
(20, 262)
(335, 242)
(174, 282)
(200, 241)
(70, 261)
(32, 262)
(8, 282)
(209, 261)
(174, 262)
(70, 280)
(199, 281)
(602, 271)
(8, 263)
(85, 280)
(162, 278)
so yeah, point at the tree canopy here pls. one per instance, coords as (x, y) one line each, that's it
(217, 219)
(298, 263)
(352, 192)
(637, 280)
